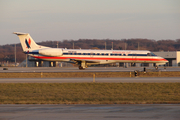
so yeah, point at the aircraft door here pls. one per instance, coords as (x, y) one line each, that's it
(91, 54)
(149, 56)
(134, 57)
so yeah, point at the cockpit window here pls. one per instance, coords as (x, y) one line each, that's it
(151, 54)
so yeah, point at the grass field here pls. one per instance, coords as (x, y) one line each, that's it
(87, 74)
(89, 93)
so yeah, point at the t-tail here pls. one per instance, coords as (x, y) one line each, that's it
(27, 42)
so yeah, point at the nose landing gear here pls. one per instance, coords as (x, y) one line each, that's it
(156, 67)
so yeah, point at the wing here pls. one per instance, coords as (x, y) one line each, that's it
(75, 61)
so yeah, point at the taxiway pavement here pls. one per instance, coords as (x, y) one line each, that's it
(90, 69)
(99, 80)
(90, 112)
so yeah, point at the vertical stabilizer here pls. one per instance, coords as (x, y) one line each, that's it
(27, 42)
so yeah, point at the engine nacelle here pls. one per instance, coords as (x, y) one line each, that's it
(51, 52)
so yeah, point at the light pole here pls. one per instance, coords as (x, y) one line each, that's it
(57, 44)
(26, 60)
(125, 46)
(15, 54)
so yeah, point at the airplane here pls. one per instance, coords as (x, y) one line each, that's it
(86, 57)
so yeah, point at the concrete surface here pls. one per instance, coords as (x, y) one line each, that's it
(90, 112)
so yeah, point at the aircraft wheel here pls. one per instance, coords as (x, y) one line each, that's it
(165, 67)
(81, 68)
(156, 67)
(144, 69)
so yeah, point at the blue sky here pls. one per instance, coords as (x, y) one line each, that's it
(91, 19)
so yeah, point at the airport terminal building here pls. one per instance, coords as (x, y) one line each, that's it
(172, 56)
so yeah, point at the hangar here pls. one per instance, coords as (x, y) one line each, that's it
(172, 56)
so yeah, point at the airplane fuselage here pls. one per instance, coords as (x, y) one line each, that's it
(104, 56)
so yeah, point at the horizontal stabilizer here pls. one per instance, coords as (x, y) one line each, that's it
(19, 33)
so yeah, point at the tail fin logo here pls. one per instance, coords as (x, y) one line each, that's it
(28, 43)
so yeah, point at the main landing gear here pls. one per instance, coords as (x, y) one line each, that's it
(82, 65)
(81, 68)
(156, 67)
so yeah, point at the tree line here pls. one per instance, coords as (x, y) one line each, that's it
(7, 52)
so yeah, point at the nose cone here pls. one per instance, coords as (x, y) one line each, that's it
(162, 61)
(166, 61)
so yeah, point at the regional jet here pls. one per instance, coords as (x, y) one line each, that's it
(86, 57)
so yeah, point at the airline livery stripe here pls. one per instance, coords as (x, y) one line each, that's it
(95, 58)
